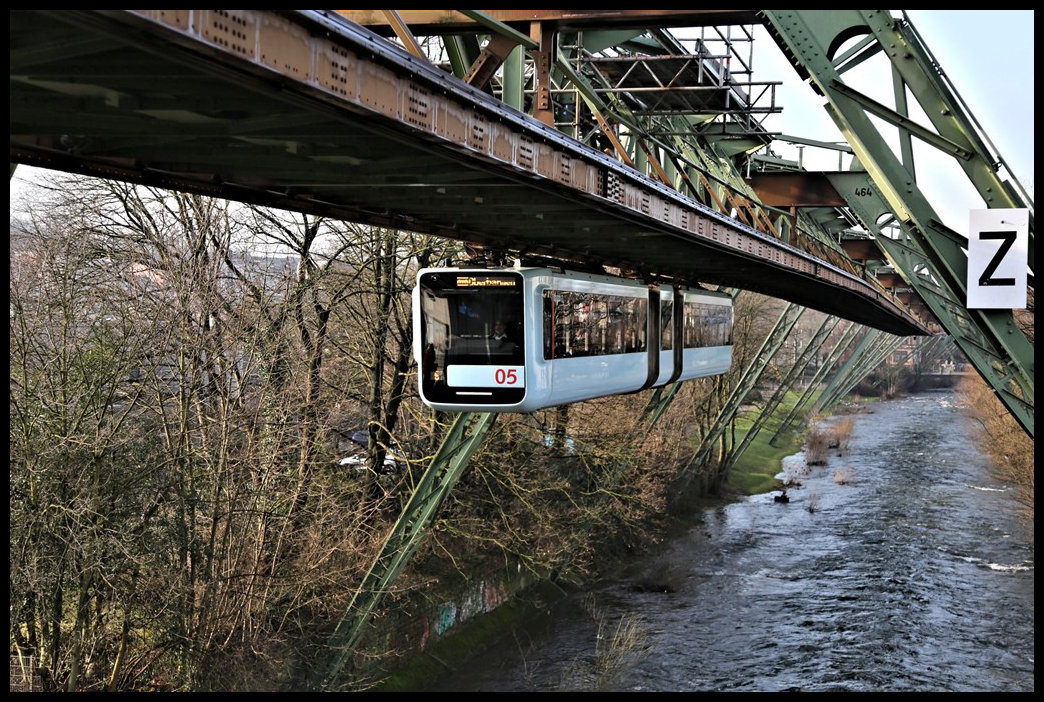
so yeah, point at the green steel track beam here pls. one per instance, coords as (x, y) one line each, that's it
(813, 41)
(465, 436)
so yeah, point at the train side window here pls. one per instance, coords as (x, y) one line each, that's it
(593, 324)
(707, 324)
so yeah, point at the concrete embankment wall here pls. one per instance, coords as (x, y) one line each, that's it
(450, 620)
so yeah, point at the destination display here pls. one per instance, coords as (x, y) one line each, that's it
(486, 281)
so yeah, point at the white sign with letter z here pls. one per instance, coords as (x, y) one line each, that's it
(998, 252)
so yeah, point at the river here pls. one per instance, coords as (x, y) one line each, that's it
(913, 573)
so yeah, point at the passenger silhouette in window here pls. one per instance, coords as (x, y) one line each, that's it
(502, 340)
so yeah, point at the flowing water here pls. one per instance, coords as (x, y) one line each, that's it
(900, 565)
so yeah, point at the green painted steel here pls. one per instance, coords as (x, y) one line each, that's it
(930, 256)
(792, 377)
(800, 408)
(747, 382)
(514, 79)
(929, 350)
(871, 352)
(465, 436)
(848, 375)
(659, 403)
(462, 52)
(989, 339)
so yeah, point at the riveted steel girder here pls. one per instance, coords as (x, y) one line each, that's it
(307, 112)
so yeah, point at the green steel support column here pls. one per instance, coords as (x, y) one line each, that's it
(658, 403)
(876, 351)
(641, 161)
(930, 349)
(1004, 356)
(751, 375)
(885, 347)
(514, 79)
(795, 372)
(944, 347)
(672, 173)
(409, 531)
(839, 384)
(798, 409)
(462, 52)
(881, 348)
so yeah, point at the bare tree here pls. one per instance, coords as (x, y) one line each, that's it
(182, 370)
(84, 492)
(373, 272)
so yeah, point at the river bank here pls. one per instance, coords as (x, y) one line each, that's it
(757, 471)
(900, 564)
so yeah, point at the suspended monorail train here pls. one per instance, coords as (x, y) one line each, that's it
(521, 339)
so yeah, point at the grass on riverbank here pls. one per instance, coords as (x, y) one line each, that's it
(755, 471)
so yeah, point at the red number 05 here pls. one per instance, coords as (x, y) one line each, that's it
(506, 377)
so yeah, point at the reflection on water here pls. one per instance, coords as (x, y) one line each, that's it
(908, 572)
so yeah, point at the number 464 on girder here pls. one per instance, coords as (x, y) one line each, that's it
(998, 252)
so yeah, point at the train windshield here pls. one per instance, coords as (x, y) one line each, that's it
(472, 337)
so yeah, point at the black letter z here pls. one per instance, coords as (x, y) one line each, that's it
(1008, 240)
